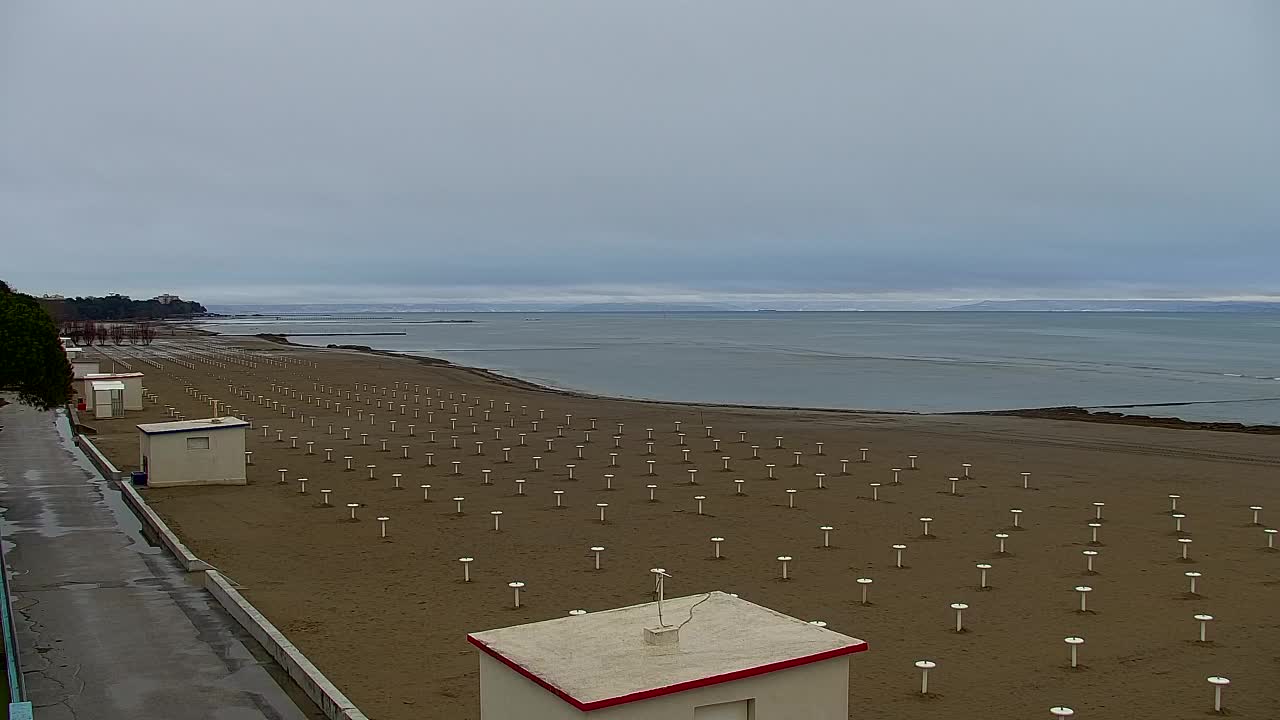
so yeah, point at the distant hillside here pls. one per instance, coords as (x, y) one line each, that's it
(1118, 306)
(120, 307)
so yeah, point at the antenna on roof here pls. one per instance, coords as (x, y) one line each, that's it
(658, 575)
(663, 634)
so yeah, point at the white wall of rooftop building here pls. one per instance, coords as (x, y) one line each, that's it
(817, 691)
(170, 462)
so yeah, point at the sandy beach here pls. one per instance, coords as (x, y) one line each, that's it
(385, 619)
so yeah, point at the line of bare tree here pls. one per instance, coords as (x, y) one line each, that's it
(88, 332)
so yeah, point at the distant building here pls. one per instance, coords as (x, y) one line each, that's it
(107, 396)
(131, 391)
(81, 368)
(52, 296)
(166, 298)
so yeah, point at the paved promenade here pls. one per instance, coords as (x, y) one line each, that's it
(110, 627)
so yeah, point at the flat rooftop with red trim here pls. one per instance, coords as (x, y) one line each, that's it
(729, 653)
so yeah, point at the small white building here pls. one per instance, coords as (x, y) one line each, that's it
(730, 660)
(80, 369)
(132, 389)
(106, 397)
(209, 451)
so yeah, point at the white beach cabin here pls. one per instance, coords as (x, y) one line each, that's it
(105, 398)
(209, 451)
(80, 369)
(132, 390)
(729, 660)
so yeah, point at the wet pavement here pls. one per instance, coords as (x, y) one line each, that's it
(109, 626)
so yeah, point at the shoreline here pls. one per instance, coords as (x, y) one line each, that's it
(514, 382)
(1072, 413)
(1079, 414)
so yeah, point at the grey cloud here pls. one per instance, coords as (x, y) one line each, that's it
(390, 148)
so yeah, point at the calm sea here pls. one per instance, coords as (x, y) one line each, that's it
(1217, 366)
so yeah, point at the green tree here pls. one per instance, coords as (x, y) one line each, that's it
(119, 307)
(32, 360)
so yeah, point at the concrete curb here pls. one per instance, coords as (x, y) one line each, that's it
(180, 552)
(96, 457)
(330, 700)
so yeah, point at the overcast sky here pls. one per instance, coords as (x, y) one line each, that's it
(310, 150)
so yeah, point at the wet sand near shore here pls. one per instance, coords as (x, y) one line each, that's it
(386, 619)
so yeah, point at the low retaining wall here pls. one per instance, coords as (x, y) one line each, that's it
(331, 701)
(184, 556)
(96, 457)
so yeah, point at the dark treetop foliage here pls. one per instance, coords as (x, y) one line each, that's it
(119, 307)
(31, 357)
